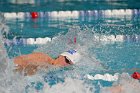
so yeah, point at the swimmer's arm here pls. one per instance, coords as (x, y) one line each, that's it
(36, 58)
(29, 64)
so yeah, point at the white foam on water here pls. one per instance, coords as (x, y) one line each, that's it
(69, 86)
(84, 41)
(127, 83)
(12, 82)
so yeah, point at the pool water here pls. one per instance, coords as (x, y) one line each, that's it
(107, 35)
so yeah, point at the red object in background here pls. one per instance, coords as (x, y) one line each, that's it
(34, 14)
(75, 40)
(136, 75)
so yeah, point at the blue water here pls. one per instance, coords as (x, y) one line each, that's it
(120, 55)
(49, 26)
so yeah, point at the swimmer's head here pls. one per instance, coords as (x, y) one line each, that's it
(71, 56)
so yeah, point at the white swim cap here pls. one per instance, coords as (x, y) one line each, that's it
(72, 55)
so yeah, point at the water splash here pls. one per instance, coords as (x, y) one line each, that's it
(12, 82)
(84, 41)
(69, 86)
(127, 84)
(9, 81)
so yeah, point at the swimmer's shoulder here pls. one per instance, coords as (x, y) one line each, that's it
(39, 54)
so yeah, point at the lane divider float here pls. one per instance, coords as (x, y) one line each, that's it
(105, 77)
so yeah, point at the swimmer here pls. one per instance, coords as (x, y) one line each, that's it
(31, 62)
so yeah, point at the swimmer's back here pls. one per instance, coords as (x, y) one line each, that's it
(34, 58)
